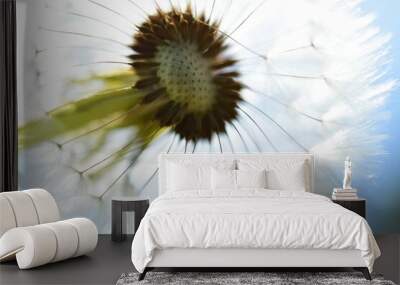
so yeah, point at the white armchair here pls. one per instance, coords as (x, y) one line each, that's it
(31, 230)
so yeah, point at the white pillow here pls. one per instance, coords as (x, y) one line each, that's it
(228, 179)
(292, 179)
(282, 174)
(187, 177)
(223, 179)
(251, 178)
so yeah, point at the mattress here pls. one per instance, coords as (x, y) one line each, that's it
(250, 219)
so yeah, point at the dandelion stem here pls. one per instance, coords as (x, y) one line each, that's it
(248, 17)
(212, 9)
(238, 26)
(279, 126)
(241, 137)
(219, 141)
(102, 62)
(148, 180)
(138, 6)
(285, 105)
(113, 11)
(82, 47)
(260, 129)
(172, 143)
(295, 49)
(264, 57)
(123, 150)
(259, 149)
(194, 147)
(131, 164)
(84, 35)
(48, 113)
(102, 22)
(230, 143)
(99, 127)
(320, 77)
(157, 169)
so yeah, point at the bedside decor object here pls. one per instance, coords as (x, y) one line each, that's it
(126, 204)
(344, 194)
(31, 231)
(347, 192)
(358, 206)
(347, 173)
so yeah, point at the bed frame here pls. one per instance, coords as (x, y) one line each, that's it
(246, 259)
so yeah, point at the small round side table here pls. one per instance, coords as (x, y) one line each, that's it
(119, 205)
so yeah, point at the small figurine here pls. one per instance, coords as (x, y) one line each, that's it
(347, 174)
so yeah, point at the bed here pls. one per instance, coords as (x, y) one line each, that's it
(245, 211)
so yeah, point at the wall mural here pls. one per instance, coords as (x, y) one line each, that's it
(108, 85)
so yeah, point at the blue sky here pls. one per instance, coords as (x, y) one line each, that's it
(384, 196)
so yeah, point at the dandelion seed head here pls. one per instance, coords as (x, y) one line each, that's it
(181, 63)
(186, 76)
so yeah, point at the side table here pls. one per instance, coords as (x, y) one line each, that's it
(126, 204)
(358, 206)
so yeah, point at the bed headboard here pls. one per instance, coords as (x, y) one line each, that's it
(207, 158)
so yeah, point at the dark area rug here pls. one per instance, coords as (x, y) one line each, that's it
(244, 278)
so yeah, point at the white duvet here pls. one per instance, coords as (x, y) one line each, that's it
(250, 219)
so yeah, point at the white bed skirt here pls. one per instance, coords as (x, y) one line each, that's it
(192, 257)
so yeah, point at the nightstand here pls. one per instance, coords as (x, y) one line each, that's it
(126, 204)
(358, 206)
